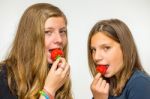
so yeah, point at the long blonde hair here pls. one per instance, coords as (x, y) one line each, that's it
(118, 31)
(27, 64)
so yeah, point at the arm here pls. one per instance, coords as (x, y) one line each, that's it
(56, 77)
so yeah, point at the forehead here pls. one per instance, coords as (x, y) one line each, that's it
(101, 38)
(55, 22)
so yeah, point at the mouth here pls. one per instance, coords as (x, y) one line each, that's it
(56, 53)
(50, 50)
(106, 65)
(102, 68)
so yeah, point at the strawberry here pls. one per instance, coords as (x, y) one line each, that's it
(102, 69)
(56, 53)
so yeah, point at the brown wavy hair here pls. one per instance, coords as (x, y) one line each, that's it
(27, 66)
(118, 31)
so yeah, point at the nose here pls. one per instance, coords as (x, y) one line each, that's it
(98, 56)
(58, 38)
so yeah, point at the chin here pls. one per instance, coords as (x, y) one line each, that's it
(49, 61)
(107, 75)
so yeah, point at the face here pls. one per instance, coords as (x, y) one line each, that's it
(55, 35)
(106, 51)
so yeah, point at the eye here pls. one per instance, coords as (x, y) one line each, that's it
(63, 31)
(106, 48)
(48, 32)
(92, 50)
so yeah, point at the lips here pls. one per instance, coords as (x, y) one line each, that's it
(102, 69)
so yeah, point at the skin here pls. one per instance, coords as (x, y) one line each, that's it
(105, 51)
(55, 37)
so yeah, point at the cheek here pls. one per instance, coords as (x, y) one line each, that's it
(117, 60)
(65, 41)
(48, 40)
(115, 57)
(46, 44)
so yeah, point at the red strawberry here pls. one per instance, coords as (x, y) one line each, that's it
(56, 53)
(102, 69)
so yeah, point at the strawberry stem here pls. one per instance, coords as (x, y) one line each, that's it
(58, 57)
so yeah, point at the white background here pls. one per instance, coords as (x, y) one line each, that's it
(82, 15)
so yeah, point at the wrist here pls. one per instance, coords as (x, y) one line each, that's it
(50, 93)
(50, 89)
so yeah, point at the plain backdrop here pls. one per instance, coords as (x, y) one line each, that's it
(82, 15)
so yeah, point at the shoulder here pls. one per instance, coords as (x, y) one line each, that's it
(138, 87)
(3, 80)
(5, 92)
(3, 77)
(3, 73)
(139, 77)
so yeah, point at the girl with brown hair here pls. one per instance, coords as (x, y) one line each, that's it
(111, 46)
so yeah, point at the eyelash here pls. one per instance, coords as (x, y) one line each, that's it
(107, 48)
(48, 32)
(63, 31)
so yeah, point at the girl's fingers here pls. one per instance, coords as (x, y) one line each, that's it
(99, 82)
(96, 79)
(62, 64)
(103, 84)
(107, 86)
(66, 69)
(58, 64)
(55, 64)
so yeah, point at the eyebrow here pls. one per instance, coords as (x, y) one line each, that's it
(53, 28)
(102, 45)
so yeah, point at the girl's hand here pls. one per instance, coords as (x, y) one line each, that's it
(100, 88)
(57, 75)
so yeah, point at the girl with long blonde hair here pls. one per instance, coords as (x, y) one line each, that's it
(29, 69)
